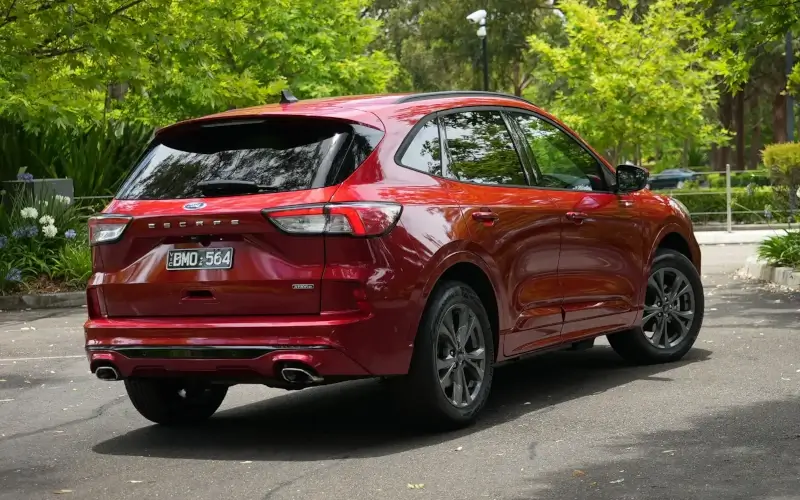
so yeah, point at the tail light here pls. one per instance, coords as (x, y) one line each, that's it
(353, 219)
(107, 228)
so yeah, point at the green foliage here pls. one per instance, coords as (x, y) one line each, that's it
(158, 61)
(782, 250)
(73, 264)
(632, 85)
(783, 161)
(97, 158)
(438, 48)
(750, 206)
(35, 235)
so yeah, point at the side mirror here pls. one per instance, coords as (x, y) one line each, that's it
(631, 178)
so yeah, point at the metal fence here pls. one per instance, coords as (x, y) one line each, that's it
(729, 199)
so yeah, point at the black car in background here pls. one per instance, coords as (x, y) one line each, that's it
(673, 178)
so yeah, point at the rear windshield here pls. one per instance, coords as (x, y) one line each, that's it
(281, 154)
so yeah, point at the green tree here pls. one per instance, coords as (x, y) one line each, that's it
(160, 60)
(632, 83)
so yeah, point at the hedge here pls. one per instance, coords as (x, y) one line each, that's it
(755, 203)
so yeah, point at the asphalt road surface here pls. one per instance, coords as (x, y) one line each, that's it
(722, 424)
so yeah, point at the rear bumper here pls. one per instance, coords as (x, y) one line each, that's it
(240, 348)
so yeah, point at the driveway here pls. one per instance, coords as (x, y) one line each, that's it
(721, 424)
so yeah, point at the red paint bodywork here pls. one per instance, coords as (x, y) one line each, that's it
(554, 281)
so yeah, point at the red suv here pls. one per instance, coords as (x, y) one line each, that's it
(421, 238)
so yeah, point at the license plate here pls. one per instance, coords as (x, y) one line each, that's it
(200, 258)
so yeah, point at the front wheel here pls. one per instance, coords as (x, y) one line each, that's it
(174, 402)
(673, 313)
(452, 366)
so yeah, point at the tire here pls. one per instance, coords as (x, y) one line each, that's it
(174, 402)
(639, 345)
(438, 404)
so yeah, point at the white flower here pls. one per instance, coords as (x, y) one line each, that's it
(29, 213)
(46, 220)
(45, 203)
(63, 199)
(49, 231)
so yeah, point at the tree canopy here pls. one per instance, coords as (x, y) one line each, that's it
(156, 61)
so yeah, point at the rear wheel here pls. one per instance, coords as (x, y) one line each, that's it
(174, 402)
(452, 367)
(673, 313)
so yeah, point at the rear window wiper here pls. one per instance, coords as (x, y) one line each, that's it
(232, 187)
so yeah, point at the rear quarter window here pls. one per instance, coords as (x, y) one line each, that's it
(280, 154)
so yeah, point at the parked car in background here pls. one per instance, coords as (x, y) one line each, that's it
(424, 238)
(673, 178)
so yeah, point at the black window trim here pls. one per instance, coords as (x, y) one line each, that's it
(520, 144)
(609, 177)
(411, 135)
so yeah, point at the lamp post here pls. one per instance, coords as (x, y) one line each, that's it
(479, 17)
(789, 98)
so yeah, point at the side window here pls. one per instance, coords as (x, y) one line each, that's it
(562, 162)
(424, 153)
(481, 149)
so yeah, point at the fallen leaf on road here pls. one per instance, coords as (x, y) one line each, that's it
(668, 451)
(616, 481)
(578, 473)
(526, 403)
(134, 481)
(459, 448)
(246, 462)
(415, 486)
(5, 400)
(62, 492)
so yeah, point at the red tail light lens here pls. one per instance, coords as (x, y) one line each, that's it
(107, 228)
(354, 219)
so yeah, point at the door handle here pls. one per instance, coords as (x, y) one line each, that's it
(626, 203)
(485, 216)
(577, 217)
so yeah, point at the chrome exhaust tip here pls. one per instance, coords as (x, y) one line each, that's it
(108, 373)
(296, 375)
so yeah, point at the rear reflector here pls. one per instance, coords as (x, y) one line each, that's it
(353, 219)
(107, 228)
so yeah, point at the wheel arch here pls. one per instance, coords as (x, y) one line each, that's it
(471, 270)
(674, 237)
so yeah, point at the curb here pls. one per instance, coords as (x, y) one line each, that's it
(44, 301)
(760, 270)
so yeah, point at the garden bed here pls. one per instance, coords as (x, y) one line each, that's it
(44, 245)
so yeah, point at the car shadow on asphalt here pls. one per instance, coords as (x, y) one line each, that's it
(361, 419)
(745, 452)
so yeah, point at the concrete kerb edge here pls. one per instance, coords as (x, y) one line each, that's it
(43, 301)
(760, 270)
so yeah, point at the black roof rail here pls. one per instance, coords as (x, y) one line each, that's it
(457, 93)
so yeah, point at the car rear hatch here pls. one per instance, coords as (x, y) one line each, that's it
(187, 234)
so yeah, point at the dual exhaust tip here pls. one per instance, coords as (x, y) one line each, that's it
(295, 375)
(299, 375)
(107, 373)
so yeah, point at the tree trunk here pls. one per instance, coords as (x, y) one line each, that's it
(726, 117)
(779, 118)
(740, 131)
(755, 137)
